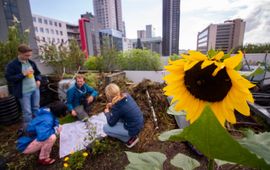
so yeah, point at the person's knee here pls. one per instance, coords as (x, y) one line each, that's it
(106, 128)
(52, 138)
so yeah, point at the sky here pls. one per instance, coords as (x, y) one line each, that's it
(195, 15)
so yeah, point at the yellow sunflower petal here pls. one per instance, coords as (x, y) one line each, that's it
(237, 78)
(206, 63)
(239, 104)
(228, 112)
(196, 55)
(190, 65)
(218, 113)
(234, 61)
(219, 67)
(219, 56)
(195, 113)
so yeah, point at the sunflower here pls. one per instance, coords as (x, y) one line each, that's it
(197, 80)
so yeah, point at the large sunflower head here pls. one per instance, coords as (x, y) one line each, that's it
(197, 80)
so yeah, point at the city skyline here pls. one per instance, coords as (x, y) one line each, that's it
(194, 16)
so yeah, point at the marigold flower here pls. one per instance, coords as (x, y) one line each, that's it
(85, 154)
(196, 80)
(66, 165)
(66, 159)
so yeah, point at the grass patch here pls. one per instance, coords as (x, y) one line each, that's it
(67, 119)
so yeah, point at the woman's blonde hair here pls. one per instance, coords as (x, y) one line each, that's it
(111, 91)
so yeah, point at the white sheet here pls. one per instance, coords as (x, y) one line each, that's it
(75, 136)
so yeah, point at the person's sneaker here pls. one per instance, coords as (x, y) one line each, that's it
(132, 141)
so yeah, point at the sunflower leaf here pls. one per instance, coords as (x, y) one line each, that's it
(184, 162)
(146, 160)
(166, 135)
(258, 144)
(210, 138)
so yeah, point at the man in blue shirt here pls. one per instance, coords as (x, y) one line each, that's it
(80, 97)
(24, 79)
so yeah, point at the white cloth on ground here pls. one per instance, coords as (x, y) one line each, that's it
(77, 135)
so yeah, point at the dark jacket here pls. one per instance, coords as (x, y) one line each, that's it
(129, 113)
(15, 76)
(40, 128)
(76, 94)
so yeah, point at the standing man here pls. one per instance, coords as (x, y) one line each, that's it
(80, 97)
(24, 79)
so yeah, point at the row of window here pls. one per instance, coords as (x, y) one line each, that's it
(47, 31)
(45, 21)
(50, 40)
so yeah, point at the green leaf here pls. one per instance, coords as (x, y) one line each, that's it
(258, 144)
(172, 111)
(184, 162)
(221, 162)
(210, 138)
(146, 160)
(259, 70)
(166, 135)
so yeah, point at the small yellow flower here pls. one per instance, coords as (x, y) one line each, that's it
(66, 159)
(72, 152)
(85, 154)
(65, 165)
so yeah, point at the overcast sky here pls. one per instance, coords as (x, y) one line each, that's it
(195, 16)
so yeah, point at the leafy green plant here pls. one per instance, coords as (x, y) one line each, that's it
(67, 119)
(146, 160)
(91, 63)
(75, 161)
(174, 57)
(62, 57)
(8, 49)
(91, 79)
(138, 59)
(100, 146)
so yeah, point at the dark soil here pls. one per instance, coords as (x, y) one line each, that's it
(114, 158)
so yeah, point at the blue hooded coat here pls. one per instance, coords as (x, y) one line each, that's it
(40, 128)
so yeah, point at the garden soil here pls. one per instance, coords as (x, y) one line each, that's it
(114, 156)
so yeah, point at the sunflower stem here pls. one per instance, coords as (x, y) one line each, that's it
(211, 164)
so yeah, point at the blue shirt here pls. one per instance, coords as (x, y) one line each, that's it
(76, 94)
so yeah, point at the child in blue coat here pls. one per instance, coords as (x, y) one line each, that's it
(124, 117)
(40, 133)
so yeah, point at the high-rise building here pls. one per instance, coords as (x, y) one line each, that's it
(49, 31)
(170, 24)
(89, 34)
(225, 36)
(112, 38)
(141, 34)
(149, 31)
(109, 14)
(19, 9)
(73, 32)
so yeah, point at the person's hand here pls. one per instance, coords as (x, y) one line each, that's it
(73, 113)
(106, 110)
(108, 105)
(59, 129)
(38, 83)
(90, 99)
(28, 72)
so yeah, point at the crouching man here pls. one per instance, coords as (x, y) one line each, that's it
(80, 97)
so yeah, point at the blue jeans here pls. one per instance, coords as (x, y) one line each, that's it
(117, 131)
(29, 104)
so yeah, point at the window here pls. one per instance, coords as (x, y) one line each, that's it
(34, 19)
(61, 33)
(41, 29)
(36, 29)
(55, 24)
(52, 31)
(48, 38)
(45, 21)
(56, 31)
(43, 38)
(50, 22)
(47, 30)
(40, 20)
(60, 25)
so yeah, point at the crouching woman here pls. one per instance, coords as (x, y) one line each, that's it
(40, 133)
(124, 117)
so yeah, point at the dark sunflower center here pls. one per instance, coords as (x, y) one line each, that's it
(202, 85)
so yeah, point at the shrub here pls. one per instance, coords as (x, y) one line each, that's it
(91, 63)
